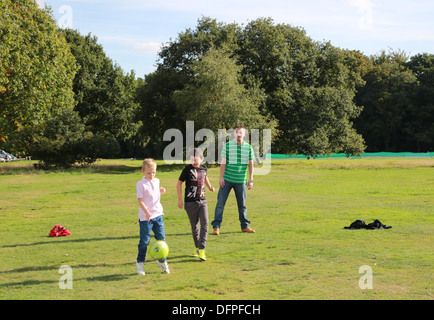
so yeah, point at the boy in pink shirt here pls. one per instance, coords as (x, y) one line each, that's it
(150, 213)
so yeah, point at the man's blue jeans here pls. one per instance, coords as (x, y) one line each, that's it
(240, 190)
(157, 226)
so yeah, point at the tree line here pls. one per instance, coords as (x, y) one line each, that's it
(63, 101)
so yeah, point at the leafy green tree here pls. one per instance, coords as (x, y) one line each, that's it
(36, 72)
(105, 96)
(386, 97)
(215, 98)
(179, 54)
(420, 117)
(62, 141)
(308, 87)
(157, 110)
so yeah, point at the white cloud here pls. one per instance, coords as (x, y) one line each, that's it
(147, 47)
(150, 47)
(366, 10)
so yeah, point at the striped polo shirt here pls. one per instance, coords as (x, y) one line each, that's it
(237, 159)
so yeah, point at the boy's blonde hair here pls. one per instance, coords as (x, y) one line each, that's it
(149, 163)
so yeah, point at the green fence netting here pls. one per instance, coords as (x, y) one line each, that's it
(365, 155)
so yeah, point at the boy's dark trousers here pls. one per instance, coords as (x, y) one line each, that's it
(197, 212)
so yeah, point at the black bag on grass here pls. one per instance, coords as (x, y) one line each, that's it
(360, 224)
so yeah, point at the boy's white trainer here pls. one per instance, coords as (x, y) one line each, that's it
(164, 267)
(140, 266)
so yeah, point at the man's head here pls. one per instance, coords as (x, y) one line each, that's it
(239, 133)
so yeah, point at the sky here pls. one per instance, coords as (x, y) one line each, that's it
(133, 31)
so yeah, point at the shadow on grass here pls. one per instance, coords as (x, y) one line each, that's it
(103, 278)
(98, 167)
(93, 168)
(106, 278)
(56, 267)
(119, 168)
(66, 240)
(55, 240)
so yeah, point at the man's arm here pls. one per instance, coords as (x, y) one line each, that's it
(250, 182)
(222, 172)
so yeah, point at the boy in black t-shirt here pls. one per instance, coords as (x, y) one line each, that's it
(195, 204)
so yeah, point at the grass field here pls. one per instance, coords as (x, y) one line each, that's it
(300, 249)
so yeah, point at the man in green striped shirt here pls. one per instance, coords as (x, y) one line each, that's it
(237, 156)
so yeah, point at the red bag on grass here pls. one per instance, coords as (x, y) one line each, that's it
(59, 231)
